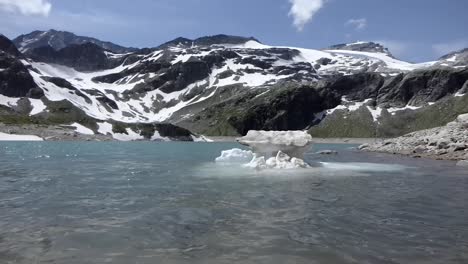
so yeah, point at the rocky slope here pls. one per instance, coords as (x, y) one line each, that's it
(61, 39)
(24, 108)
(227, 85)
(448, 142)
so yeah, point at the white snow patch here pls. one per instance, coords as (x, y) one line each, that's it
(8, 101)
(130, 136)
(349, 105)
(37, 105)
(393, 110)
(158, 137)
(376, 113)
(453, 58)
(82, 129)
(389, 61)
(10, 137)
(251, 44)
(105, 128)
(201, 139)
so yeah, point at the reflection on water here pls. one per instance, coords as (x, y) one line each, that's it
(170, 203)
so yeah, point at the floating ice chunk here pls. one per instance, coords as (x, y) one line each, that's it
(257, 163)
(235, 156)
(268, 143)
(281, 161)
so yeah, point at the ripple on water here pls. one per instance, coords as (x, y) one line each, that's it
(163, 203)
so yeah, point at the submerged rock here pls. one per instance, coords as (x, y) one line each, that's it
(327, 152)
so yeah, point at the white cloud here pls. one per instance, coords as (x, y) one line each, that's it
(303, 11)
(26, 7)
(357, 23)
(441, 49)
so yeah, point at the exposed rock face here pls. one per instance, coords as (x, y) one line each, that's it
(362, 46)
(82, 57)
(8, 47)
(61, 39)
(419, 87)
(288, 106)
(283, 107)
(447, 142)
(415, 88)
(205, 41)
(15, 80)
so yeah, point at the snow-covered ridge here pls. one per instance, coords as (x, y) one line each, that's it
(144, 90)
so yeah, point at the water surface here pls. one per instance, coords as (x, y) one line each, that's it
(170, 203)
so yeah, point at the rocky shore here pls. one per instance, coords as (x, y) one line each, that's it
(449, 142)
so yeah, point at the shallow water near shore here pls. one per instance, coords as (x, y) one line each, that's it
(140, 202)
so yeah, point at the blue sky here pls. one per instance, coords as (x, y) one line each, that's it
(414, 30)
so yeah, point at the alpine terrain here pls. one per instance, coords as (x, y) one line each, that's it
(223, 86)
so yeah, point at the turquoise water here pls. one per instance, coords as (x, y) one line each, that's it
(170, 203)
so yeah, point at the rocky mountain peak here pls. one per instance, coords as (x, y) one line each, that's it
(222, 39)
(7, 46)
(206, 41)
(61, 39)
(451, 54)
(362, 46)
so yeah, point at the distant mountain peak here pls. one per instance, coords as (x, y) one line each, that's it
(61, 39)
(451, 54)
(364, 46)
(207, 41)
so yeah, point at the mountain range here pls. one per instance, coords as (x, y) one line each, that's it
(224, 86)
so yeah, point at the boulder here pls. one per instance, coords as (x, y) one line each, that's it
(442, 144)
(457, 146)
(463, 120)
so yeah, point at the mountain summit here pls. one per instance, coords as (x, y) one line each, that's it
(206, 41)
(363, 47)
(61, 39)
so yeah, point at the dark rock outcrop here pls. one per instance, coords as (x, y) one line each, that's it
(8, 47)
(362, 46)
(83, 57)
(285, 107)
(419, 87)
(15, 80)
(62, 39)
(205, 41)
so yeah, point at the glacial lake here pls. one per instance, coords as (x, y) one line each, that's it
(140, 202)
